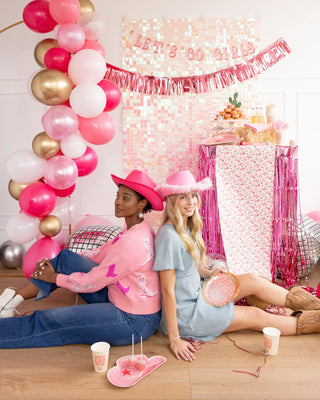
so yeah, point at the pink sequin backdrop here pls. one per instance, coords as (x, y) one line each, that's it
(161, 134)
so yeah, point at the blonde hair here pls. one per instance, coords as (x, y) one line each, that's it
(194, 223)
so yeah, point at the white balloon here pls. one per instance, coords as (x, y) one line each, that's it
(92, 24)
(88, 100)
(74, 146)
(22, 228)
(87, 65)
(25, 167)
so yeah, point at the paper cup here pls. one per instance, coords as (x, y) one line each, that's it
(100, 356)
(271, 340)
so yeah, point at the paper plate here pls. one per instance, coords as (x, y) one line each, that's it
(220, 289)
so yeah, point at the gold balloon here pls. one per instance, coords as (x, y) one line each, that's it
(50, 226)
(15, 188)
(44, 146)
(51, 87)
(86, 6)
(41, 49)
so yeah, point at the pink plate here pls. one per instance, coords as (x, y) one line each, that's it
(220, 289)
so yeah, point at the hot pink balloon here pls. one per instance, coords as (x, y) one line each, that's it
(37, 199)
(97, 130)
(87, 163)
(60, 121)
(42, 248)
(57, 58)
(94, 45)
(71, 37)
(61, 172)
(37, 17)
(65, 192)
(64, 11)
(113, 94)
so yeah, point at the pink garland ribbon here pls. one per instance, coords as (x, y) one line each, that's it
(202, 83)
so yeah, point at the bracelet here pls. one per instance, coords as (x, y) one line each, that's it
(171, 340)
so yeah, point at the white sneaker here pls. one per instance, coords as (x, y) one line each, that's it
(8, 303)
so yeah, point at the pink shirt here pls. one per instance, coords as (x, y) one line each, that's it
(125, 266)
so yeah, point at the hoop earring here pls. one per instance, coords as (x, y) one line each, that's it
(140, 215)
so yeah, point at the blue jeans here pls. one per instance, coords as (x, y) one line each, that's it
(99, 320)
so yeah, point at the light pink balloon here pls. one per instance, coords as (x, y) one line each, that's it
(87, 66)
(61, 172)
(92, 220)
(37, 199)
(97, 130)
(73, 146)
(42, 248)
(59, 122)
(87, 100)
(64, 11)
(71, 37)
(94, 45)
(87, 163)
(24, 166)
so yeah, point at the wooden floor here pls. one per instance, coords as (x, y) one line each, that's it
(66, 372)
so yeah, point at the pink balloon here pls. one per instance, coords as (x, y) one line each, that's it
(59, 238)
(37, 17)
(37, 199)
(61, 172)
(57, 58)
(64, 11)
(65, 192)
(42, 248)
(315, 215)
(97, 130)
(59, 122)
(87, 163)
(71, 37)
(94, 45)
(92, 220)
(113, 94)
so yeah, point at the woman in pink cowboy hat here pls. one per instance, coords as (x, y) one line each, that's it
(180, 249)
(117, 282)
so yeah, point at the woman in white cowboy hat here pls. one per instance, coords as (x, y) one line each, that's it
(116, 281)
(180, 249)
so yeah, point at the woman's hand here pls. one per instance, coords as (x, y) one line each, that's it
(182, 349)
(45, 271)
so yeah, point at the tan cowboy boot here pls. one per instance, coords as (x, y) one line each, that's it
(253, 300)
(308, 321)
(300, 299)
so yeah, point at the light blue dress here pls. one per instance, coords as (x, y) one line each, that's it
(196, 318)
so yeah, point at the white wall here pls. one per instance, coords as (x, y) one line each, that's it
(293, 84)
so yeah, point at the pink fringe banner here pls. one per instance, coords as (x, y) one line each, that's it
(202, 83)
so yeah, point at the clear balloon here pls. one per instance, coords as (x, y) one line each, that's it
(73, 146)
(71, 37)
(66, 210)
(88, 100)
(113, 94)
(98, 130)
(61, 172)
(42, 248)
(92, 24)
(37, 17)
(57, 58)
(37, 199)
(87, 163)
(59, 122)
(25, 167)
(94, 45)
(44, 146)
(64, 11)
(50, 226)
(22, 228)
(41, 49)
(87, 66)
(11, 254)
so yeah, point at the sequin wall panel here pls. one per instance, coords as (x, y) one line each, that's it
(161, 134)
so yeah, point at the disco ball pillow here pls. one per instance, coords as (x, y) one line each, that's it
(89, 237)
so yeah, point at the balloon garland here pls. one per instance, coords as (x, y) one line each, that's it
(71, 82)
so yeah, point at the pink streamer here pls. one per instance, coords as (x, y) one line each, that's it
(203, 83)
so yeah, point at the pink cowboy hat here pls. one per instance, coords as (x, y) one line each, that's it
(143, 184)
(182, 182)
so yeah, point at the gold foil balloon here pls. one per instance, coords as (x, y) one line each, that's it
(41, 48)
(50, 226)
(86, 6)
(15, 188)
(44, 146)
(51, 87)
